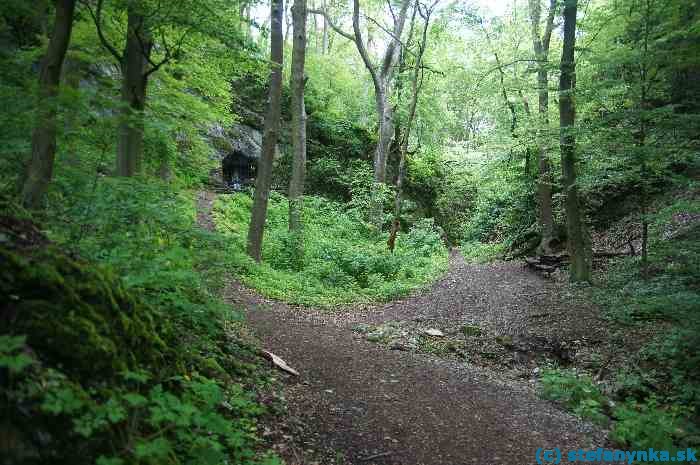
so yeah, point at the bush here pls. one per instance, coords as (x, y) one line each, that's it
(636, 425)
(480, 252)
(575, 391)
(647, 424)
(660, 390)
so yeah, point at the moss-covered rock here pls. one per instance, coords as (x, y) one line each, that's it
(76, 315)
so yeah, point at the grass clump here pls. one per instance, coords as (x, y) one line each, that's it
(481, 252)
(343, 259)
(577, 392)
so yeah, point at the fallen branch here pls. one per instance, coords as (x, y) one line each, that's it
(279, 363)
(375, 456)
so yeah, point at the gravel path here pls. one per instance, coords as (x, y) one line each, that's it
(356, 402)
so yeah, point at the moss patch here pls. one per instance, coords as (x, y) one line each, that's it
(77, 315)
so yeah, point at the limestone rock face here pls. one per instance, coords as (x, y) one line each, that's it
(237, 138)
(247, 140)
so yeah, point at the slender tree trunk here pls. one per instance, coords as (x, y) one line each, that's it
(40, 168)
(324, 42)
(315, 27)
(506, 100)
(382, 79)
(270, 134)
(644, 169)
(241, 17)
(416, 85)
(296, 183)
(504, 92)
(287, 24)
(133, 96)
(577, 241)
(385, 110)
(540, 47)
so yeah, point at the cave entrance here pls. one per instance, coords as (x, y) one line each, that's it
(239, 170)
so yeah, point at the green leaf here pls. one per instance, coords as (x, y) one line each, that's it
(134, 399)
(158, 448)
(102, 460)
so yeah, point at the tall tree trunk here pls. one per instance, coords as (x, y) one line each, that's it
(382, 79)
(642, 140)
(270, 134)
(416, 85)
(502, 75)
(40, 168)
(540, 45)
(385, 110)
(382, 90)
(241, 17)
(324, 42)
(287, 24)
(315, 32)
(296, 183)
(133, 95)
(578, 243)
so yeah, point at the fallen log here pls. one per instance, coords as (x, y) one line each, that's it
(550, 263)
(536, 264)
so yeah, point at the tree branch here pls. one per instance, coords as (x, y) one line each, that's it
(361, 45)
(332, 24)
(97, 19)
(549, 27)
(391, 10)
(390, 53)
(387, 31)
(169, 52)
(404, 45)
(505, 65)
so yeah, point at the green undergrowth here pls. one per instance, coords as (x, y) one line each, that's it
(479, 252)
(654, 401)
(343, 259)
(114, 345)
(633, 423)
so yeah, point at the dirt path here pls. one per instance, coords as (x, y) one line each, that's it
(373, 405)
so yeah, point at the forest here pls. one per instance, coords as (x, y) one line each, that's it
(349, 232)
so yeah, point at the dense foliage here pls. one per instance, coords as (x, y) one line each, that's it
(343, 259)
(128, 269)
(145, 367)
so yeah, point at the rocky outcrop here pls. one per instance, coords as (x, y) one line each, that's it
(237, 137)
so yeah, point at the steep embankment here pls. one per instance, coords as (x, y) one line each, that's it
(90, 372)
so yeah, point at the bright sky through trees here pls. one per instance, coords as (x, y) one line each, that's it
(494, 7)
